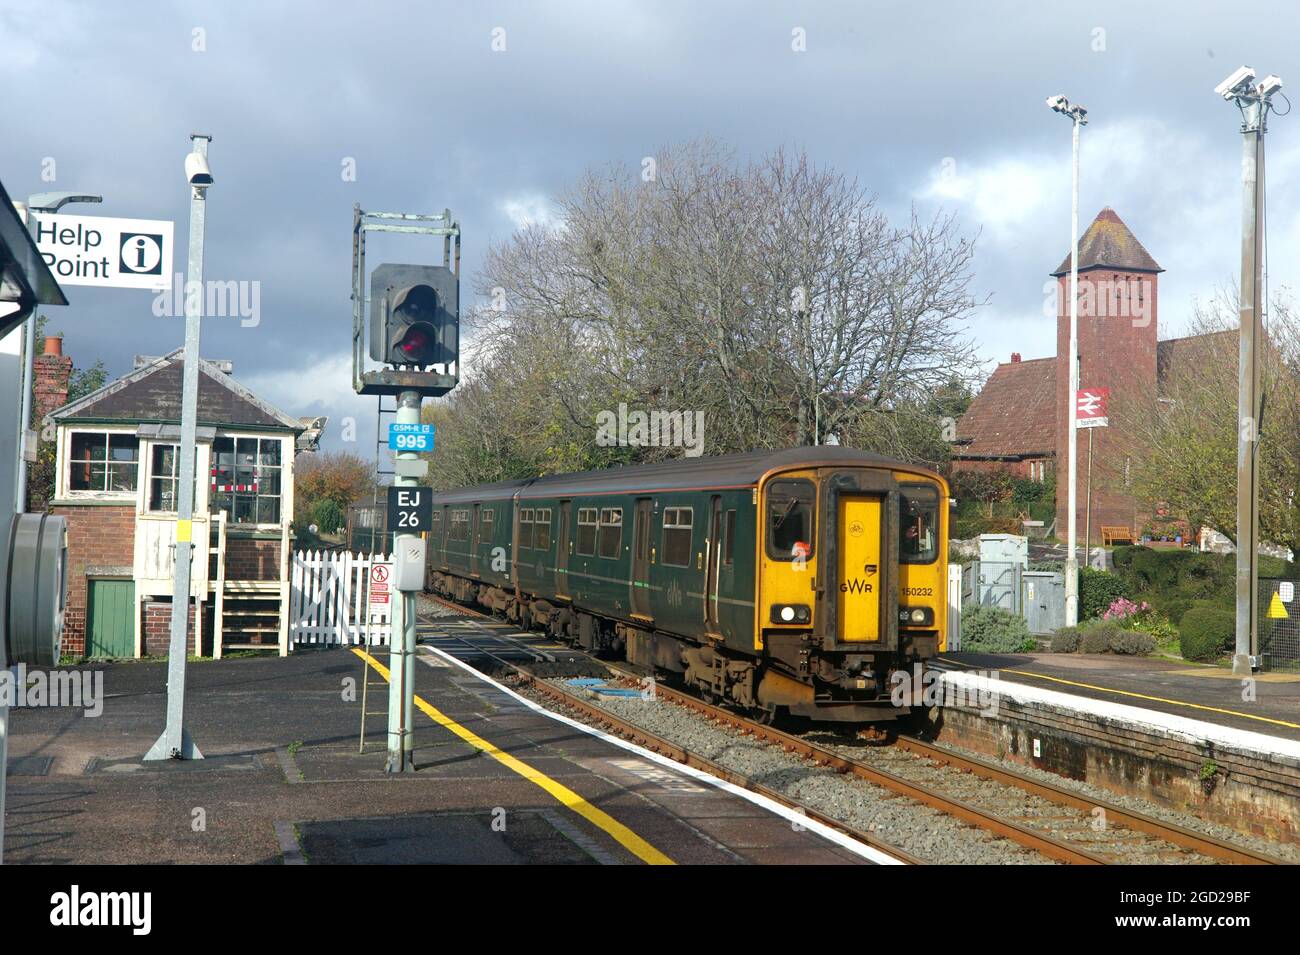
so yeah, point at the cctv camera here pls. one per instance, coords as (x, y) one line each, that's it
(1236, 84)
(1058, 103)
(197, 171)
(1270, 85)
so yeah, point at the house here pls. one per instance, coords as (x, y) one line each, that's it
(116, 484)
(1019, 418)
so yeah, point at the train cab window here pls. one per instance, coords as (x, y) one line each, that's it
(587, 531)
(485, 526)
(611, 532)
(678, 524)
(542, 528)
(790, 519)
(919, 524)
(728, 538)
(525, 527)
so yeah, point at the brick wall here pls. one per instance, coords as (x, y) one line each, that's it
(1116, 351)
(99, 537)
(50, 380)
(157, 623)
(252, 559)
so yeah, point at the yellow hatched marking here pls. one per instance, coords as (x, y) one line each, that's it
(563, 794)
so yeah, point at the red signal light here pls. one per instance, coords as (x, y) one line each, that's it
(418, 345)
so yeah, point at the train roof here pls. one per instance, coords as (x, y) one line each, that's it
(724, 470)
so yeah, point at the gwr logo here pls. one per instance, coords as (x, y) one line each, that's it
(855, 586)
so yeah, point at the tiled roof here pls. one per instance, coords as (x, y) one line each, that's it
(1108, 243)
(1014, 414)
(153, 394)
(1194, 349)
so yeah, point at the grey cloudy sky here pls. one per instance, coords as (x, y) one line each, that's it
(937, 105)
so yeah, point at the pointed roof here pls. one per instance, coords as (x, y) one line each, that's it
(152, 393)
(1108, 244)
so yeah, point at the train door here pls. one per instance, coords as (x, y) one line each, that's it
(473, 544)
(861, 574)
(641, 559)
(713, 563)
(562, 553)
(446, 533)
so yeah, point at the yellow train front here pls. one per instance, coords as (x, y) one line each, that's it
(800, 580)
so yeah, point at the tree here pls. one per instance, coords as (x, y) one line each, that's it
(338, 477)
(774, 300)
(1186, 453)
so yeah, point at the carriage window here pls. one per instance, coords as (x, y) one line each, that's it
(542, 528)
(919, 524)
(485, 527)
(460, 525)
(790, 519)
(678, 524)
(435, 524)
(729, 538)
(525, 527)
(587, 531)
(611, 531)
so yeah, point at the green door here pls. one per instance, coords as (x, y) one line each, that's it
(110, 618)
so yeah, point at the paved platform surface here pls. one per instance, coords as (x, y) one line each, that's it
(283, 781)
(1210, 694)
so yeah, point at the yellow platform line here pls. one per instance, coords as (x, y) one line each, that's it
(566, 796)
(1140, 696)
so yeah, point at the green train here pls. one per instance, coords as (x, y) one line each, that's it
(798, 580)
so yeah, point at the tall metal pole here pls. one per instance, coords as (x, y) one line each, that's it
(1248, 391)
(1072, 556)
(1087, 506)
(401, 645)
(175, 741)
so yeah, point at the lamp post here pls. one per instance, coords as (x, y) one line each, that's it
(40, 202)
(1254, 100)
(1078, 117)
(175, 741)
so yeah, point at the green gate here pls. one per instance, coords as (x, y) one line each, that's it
(110, 618)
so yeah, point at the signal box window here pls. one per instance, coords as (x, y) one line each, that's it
(164, 476)
(587, 531)
(919, 527)
(611, 531)
(678, 525)
(103, 462)
(246, 479)
(485, 526)
(790, 519)
(525, 527)
(542, 528)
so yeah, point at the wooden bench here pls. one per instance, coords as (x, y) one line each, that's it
(1112, 534)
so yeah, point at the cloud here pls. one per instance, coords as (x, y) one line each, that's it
(529, 209)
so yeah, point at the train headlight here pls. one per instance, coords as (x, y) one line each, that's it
(915, 616)
(791, 613)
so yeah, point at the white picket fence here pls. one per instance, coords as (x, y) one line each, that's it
(329, 599)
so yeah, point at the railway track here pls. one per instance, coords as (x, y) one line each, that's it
(1060, 824)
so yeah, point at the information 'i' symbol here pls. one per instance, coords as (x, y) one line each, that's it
(141, 253)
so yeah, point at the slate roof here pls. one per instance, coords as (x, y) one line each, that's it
(153, 394)
(1014, 415)
(1108, 244)
(1194, 349)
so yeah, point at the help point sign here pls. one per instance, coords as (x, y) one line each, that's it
(99, 250)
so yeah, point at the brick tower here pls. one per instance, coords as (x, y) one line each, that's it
(1117, 350)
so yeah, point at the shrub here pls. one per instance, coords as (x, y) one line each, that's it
(1097, 639)
(1065, 640)
(994, 630)
(327, 516)
(1132, 642)
(1205, 633)
(1097, 591)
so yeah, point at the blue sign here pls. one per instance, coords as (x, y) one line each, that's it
(410, 437)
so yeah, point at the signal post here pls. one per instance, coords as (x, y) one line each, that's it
(414, 321)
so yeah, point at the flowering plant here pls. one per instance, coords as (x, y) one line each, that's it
(1122, 608)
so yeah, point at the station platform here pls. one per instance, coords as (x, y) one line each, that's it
(1206, 693)
(495, 780)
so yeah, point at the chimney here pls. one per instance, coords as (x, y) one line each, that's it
(1015, 357)
(50, 379)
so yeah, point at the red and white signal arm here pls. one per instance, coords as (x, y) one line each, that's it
(1090, 408)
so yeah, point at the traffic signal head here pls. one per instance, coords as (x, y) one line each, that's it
(414, 315)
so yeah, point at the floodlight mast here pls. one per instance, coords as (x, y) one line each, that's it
(1254, 101)
(1078, 117)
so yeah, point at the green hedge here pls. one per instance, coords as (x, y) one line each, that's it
(1097, 591)
(1102, 636)
(1205, 633)
(994, 630)
(1176, 580)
